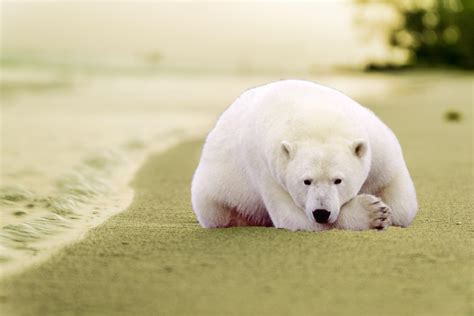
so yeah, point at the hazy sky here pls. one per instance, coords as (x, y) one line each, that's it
(262, 35)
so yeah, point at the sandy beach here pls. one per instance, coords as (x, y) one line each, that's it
(69, 150)
(154, 258)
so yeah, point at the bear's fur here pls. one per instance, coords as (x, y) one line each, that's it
(301, 156)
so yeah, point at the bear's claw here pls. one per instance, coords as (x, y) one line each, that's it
(380, 216)
(376, 202)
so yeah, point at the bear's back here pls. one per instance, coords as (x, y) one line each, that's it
(295, 108)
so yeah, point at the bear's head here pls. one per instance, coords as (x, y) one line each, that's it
(321, 177)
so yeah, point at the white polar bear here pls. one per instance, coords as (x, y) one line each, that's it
(297, 155)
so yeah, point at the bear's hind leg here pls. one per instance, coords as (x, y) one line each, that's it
(210, 213)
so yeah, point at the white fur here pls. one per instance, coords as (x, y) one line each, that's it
(273, 137)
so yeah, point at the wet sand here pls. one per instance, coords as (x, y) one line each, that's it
(154, 259)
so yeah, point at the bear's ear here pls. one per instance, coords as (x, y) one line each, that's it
(359, 148)
(287, 149)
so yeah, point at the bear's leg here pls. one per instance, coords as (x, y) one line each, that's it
(210, 213)
(400, 194)
(363, 212)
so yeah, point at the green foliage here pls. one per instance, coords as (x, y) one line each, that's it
(435, 33)
(440, 35)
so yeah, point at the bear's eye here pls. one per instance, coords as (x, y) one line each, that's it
(337, 181)
(307, 182)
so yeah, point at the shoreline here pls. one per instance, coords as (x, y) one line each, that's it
(115, 202)
(154, 258)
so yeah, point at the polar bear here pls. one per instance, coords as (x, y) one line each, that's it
(297, 155)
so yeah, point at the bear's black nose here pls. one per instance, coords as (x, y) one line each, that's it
(321, 216)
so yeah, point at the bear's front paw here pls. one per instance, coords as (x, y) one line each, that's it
(379, 212)
(363, 212)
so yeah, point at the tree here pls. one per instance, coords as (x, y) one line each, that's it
(438, 32)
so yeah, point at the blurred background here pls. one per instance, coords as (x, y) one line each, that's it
(236, 37)
(88, 88)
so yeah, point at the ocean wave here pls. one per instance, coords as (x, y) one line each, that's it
(78, 197)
